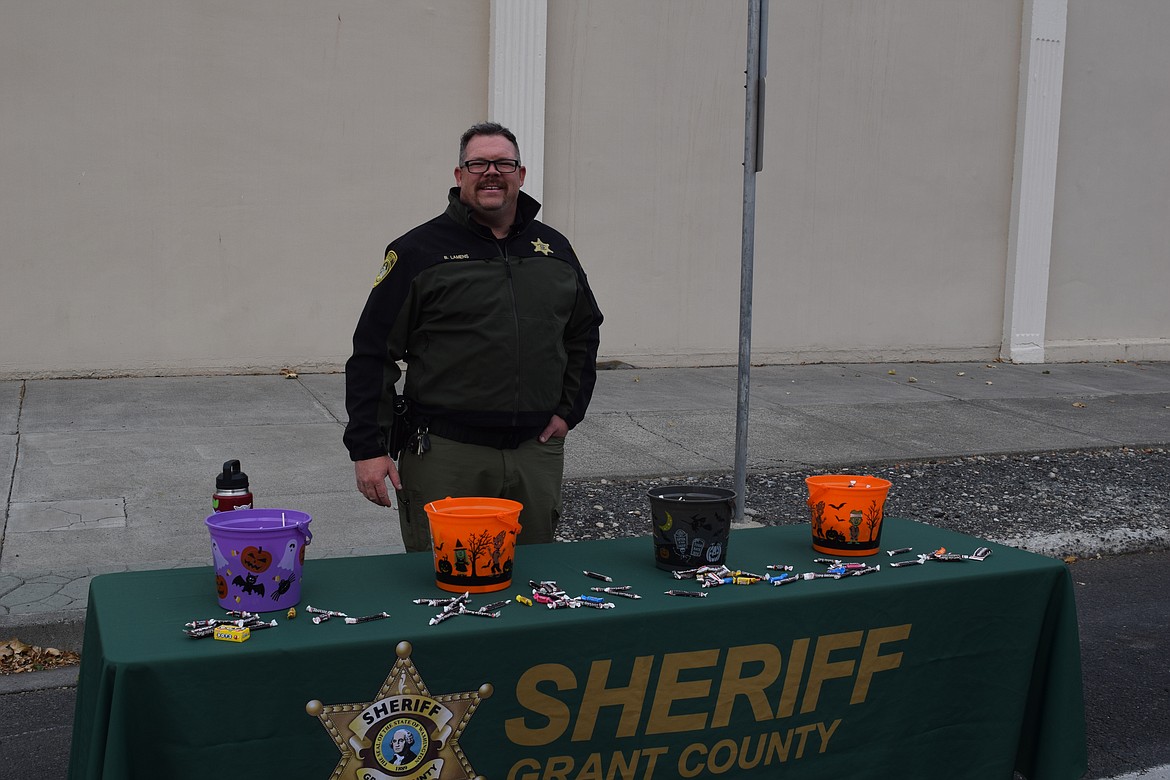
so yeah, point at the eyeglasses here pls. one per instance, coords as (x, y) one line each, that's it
(502, 166)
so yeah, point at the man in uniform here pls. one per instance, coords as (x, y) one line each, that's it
(493, 316)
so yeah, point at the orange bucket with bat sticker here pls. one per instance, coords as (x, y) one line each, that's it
(846, 513)
(474, 542)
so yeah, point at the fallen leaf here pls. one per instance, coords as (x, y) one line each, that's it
(17, 657)
(1080, 404)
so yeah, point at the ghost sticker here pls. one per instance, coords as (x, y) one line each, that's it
(290, 555)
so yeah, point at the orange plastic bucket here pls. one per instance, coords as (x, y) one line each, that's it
(474, 542)
(846, 513)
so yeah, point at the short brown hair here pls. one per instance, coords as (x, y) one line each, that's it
(485, 128)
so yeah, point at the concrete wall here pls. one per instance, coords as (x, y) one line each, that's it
(882, 209)
(196, 187)
(1110, 276)
(644, 169)
(887, 186)
(193, 186)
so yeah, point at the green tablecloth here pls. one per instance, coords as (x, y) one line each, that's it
(957, 670)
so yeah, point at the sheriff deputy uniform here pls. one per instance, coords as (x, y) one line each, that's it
(498, 335)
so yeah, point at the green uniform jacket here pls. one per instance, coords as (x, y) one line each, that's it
(497, 334)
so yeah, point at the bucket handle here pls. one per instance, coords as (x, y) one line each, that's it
(816, 490)
(814, 494)
(301, 528)
(513, 525)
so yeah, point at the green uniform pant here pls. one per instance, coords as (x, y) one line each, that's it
(530, 474)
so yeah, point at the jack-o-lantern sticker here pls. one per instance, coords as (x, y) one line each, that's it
(221, 589)
(256, 559)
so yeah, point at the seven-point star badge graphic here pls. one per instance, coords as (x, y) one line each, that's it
(405, 732)
(543, 248)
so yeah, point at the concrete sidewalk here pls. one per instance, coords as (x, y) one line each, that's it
(117, 474)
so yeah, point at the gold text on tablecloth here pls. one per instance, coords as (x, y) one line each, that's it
(696, 692)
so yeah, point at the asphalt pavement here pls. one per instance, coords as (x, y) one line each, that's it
(105, 475)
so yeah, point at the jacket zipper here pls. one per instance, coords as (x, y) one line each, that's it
(503, 247)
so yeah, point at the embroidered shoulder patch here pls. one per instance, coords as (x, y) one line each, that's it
(387, 264)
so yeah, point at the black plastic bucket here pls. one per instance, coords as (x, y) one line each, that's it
(691, 525)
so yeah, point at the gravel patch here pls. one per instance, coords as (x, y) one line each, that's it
(1082, 503)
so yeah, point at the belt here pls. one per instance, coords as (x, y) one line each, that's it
(499, 438)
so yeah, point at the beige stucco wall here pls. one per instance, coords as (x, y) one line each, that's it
(891, 136)
(882, 207)
(644, 171)
(1110, 275)
(197, 187)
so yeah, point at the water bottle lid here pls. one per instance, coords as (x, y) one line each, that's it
(231, 478)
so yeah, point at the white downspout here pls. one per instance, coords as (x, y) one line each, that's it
(1034, 180)
(516, 80)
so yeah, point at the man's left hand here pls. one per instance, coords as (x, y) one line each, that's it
(556, 428)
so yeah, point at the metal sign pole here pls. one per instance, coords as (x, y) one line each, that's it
(753, 147)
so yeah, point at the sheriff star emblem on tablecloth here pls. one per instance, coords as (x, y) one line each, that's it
(405, 732)
(543, 248)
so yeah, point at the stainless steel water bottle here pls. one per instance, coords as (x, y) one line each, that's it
(231, 489)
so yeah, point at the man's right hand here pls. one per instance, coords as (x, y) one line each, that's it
(371, 479)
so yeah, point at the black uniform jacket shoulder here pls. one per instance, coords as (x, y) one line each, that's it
(497, 334)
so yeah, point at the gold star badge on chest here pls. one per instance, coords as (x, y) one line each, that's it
(405, 732)
(543, 248)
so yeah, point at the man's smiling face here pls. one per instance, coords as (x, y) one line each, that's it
(491, 195)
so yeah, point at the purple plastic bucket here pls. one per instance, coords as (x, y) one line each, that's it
(258, 555)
